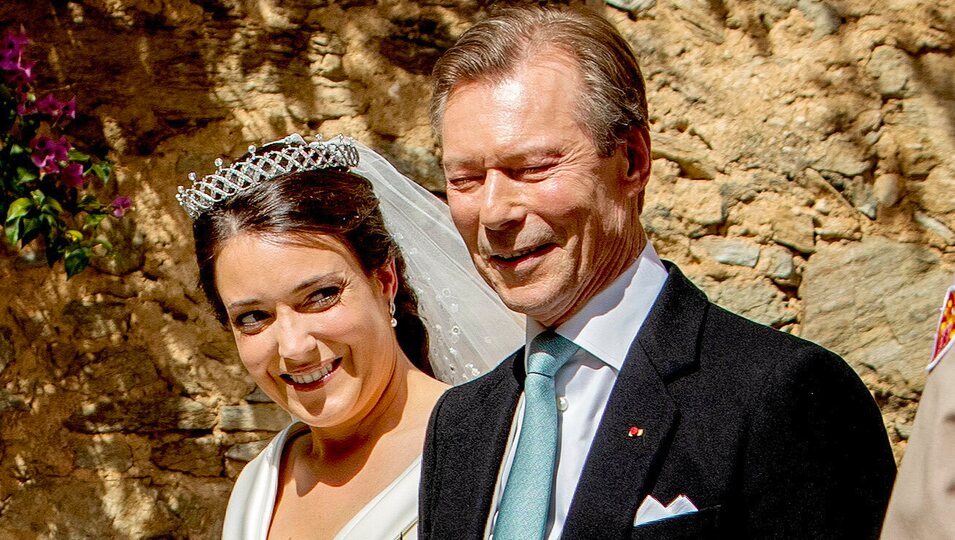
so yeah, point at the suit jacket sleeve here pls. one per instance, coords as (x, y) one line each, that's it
(817, 463)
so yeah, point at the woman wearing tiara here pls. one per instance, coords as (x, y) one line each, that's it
(296, 260)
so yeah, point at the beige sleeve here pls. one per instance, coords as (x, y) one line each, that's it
(923, 500)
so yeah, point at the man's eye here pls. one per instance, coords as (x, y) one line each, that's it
(535, 171)
(463, 181)
(251, 322)
(323, 298)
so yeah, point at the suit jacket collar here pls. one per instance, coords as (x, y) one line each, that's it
(619, 467)
(640, 416)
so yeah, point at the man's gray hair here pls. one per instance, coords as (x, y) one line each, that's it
(613, 100)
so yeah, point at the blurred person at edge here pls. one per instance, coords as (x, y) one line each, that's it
(922, 506)
(673, 418)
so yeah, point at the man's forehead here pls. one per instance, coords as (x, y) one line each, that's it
(522, 114)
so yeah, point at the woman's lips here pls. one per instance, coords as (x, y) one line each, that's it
(312, 379)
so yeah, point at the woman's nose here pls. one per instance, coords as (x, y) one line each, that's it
(294, 338)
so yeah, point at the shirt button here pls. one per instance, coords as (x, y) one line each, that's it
(561, 404)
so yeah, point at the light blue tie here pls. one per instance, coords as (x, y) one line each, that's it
(526, 502)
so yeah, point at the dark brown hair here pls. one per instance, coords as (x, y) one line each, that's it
(299, 206)
(613, 100)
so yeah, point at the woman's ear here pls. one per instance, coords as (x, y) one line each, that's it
(387, 277)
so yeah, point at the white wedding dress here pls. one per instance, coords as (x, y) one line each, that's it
(391, 515)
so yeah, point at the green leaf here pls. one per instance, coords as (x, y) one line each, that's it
(16, 150)
(73, 236)
(50, 221)
(102, 170)
(39, 198)
(19, 208)
(31, 229)
(76, 261)
(25, 175)
(93, 220)
(53, 206)
(90, 204)
(14, 231)
(76, 155)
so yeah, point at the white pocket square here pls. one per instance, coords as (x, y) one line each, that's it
(651, 509)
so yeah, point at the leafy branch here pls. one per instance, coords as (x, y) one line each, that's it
(46, 184)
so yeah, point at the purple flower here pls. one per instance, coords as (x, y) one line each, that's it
(121, 205)
(69, 108)
(55, 108)
(47, 153)
(19, 74)
(72, 175)
(13, 43)
(25, 106)
(48, 104)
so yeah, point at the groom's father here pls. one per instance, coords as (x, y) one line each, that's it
(638, 409)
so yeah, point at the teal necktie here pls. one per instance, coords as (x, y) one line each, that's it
(526, 502)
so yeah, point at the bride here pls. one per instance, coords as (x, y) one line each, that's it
(296, 258)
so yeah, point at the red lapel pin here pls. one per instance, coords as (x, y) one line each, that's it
(635, 432)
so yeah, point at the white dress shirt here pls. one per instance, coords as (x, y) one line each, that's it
(604, 329)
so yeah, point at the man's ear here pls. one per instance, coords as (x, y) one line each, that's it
(387, 277)
(637, 141)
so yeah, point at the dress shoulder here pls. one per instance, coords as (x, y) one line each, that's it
(252, 500)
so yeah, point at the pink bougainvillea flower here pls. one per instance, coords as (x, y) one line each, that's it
(121, 205)
(47, 153)
(69, 108)
(8, 62)
(13, 43)
(48, 104)
(19, 75)
(25, 106)
(11, 50)
(72, 175)
(55, 108)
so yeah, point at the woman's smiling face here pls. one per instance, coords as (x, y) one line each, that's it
(310, 326)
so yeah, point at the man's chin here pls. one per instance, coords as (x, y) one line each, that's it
(537, 304)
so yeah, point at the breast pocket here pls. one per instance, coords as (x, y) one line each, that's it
(696, 525)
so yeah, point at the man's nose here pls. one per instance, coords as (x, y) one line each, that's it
(501, 206)
(293, 336)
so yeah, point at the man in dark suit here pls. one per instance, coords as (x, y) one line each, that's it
(656, 414)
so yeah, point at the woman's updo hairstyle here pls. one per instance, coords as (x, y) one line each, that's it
(299, 206)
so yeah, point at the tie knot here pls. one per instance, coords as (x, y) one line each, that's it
(548, 352)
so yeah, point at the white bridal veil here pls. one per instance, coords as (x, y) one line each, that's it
(470, 330)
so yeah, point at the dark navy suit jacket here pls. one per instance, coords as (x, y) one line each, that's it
(770, 436)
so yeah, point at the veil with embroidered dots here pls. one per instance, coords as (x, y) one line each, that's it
(470, 330)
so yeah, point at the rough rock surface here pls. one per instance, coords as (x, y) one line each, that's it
(803, 175)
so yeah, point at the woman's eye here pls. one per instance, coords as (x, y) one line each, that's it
(251, 321)
(323, 298)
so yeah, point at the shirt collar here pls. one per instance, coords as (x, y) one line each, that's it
(607, 325)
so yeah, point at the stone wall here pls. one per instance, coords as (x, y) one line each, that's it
(803, 176)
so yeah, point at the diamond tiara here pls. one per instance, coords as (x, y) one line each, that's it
(295, 155)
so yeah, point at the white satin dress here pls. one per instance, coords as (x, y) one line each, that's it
(391, 515)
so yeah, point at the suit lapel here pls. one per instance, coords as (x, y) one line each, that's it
(476, 447)
(640, 416)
